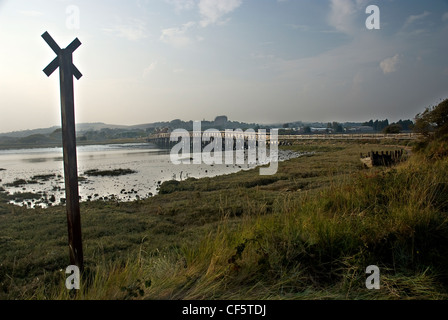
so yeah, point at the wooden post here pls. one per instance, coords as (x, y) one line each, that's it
(67, 70)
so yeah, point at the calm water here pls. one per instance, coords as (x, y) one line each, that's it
(152, 165)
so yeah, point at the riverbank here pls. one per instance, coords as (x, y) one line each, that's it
(307, 232)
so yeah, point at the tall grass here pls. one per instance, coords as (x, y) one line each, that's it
(307, 233)
(318, 246)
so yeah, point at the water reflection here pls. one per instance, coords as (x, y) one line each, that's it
(152, 165)
(35, 160)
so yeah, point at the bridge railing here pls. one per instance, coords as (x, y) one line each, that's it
(348, 136)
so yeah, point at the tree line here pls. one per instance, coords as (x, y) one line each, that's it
(386, 127)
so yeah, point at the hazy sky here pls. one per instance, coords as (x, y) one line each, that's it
(253, 60)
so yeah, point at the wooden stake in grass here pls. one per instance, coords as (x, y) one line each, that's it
(67, 70)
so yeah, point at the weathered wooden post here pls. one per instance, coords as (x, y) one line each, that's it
(67, 70)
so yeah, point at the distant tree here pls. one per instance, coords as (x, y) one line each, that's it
(392, 128)
(337, 127)
(377, 125)
(307, 129)
(176, 122)
(380, 125)
(369, 124)
(406, 125)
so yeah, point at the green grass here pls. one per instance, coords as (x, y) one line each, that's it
(307, 232)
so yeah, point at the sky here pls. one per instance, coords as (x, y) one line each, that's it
(257, 61)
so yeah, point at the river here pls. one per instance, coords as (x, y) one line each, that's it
(42, 169)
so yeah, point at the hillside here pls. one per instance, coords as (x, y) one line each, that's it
(93, 133)
(81, 127)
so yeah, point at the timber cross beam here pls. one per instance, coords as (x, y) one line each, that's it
(64, 61)
(60, 53)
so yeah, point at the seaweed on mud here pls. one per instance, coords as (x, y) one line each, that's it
(110, 173)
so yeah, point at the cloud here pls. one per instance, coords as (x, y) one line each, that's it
(445, 17)
(300, 27)
(416, 25)
(181, 5)
(178, 70)
(341, 15)
(133, 31)
(177, 36)
(389, 65)
(149, 69)
(213, 10)
(31, 13)
(414, 18)
(361, 4)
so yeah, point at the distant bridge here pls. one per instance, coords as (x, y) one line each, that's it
(163, 139)
(350, 136)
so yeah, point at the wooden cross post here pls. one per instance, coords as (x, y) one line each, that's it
(67, 70)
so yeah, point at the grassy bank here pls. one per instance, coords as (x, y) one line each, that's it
(307, 232)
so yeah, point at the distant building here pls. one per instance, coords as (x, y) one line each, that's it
(319, 130)
(360, 129)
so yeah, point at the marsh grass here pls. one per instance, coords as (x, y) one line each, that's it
(308, 232)
(109, 173)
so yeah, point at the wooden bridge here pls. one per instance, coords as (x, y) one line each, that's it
(163, 139)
